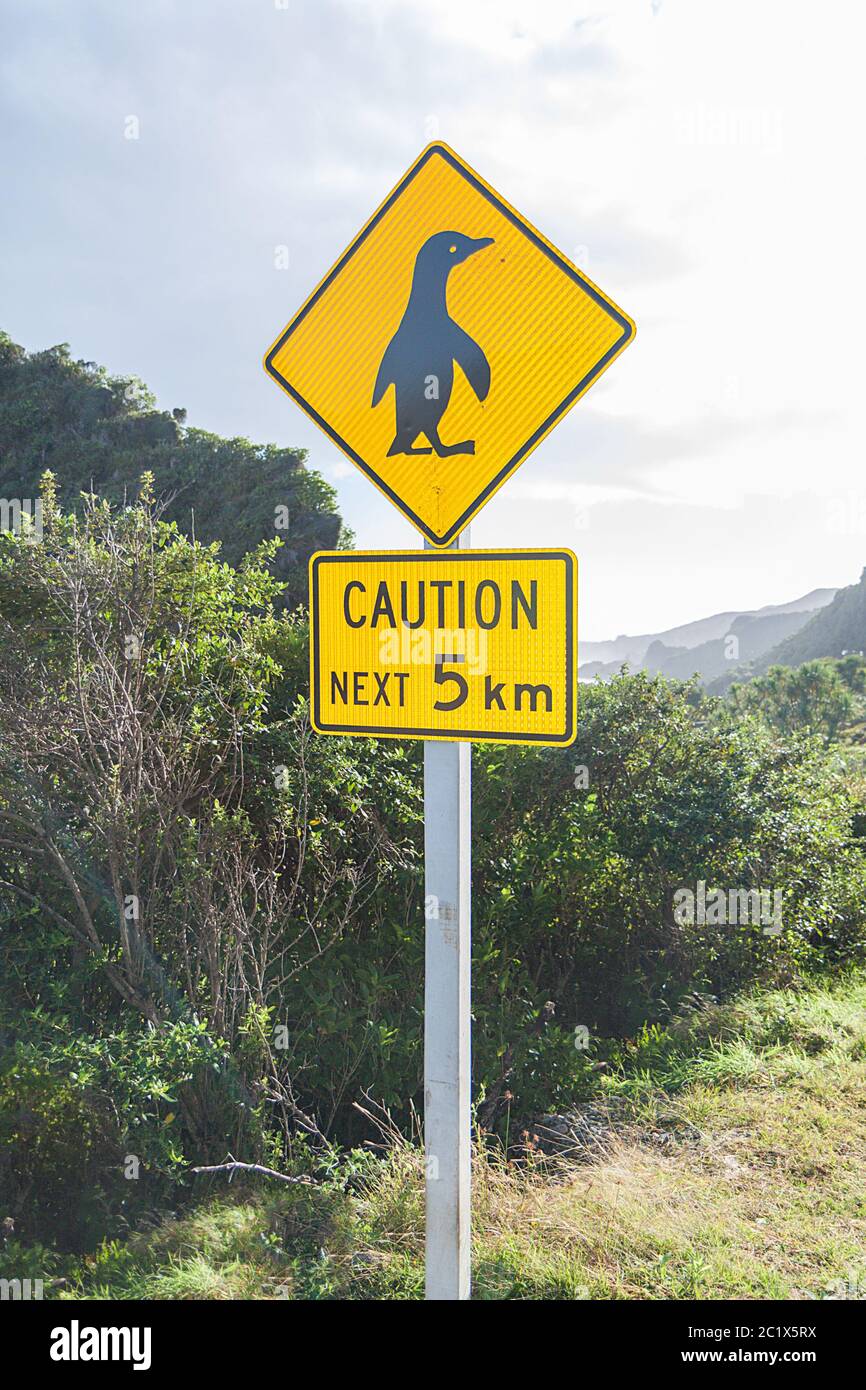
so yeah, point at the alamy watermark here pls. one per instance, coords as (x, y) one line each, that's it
(22, 516)
(20, 1290)
(731, 126)
(434, 647)
(756, 907)
(77, 1343)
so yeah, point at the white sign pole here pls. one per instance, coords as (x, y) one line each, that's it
(447, 1027)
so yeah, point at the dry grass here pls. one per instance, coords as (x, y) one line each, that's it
(740, 1174)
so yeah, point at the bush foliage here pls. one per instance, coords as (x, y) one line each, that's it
(99, 433)
(211, 920)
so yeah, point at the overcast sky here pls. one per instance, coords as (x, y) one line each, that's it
(702, 161)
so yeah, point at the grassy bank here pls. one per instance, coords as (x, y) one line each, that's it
(734, 1167)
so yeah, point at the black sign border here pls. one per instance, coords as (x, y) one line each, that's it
(453, 736)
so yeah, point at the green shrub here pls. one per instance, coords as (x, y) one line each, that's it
(59, 1151)
(273, 976)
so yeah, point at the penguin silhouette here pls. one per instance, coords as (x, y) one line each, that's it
(419, 360)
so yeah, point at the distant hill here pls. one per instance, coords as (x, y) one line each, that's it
(836, 629)
(712, 646)
(99, 432)
(634, 649)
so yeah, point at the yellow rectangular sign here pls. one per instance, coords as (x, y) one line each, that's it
(445, 344)
(468, 644)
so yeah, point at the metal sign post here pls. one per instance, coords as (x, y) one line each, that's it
(481, 647)
(447, 1029)
(447, 1024)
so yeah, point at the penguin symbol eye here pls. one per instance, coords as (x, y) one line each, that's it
(452, 249)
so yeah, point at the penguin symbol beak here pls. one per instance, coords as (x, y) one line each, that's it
(479, 243)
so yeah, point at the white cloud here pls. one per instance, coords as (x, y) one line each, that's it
(702, 161)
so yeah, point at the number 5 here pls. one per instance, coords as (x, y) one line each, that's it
(441, 677)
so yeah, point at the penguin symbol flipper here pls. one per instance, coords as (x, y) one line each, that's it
(386, 374)
(468, 355)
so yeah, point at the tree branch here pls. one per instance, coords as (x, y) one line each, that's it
(234, 1167)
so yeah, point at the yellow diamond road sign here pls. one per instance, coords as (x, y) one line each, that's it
(463, 644)
(445, 343)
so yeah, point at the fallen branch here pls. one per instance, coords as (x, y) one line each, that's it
(234, 1167)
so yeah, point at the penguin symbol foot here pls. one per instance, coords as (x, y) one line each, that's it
(446, 450)
(400, 446)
